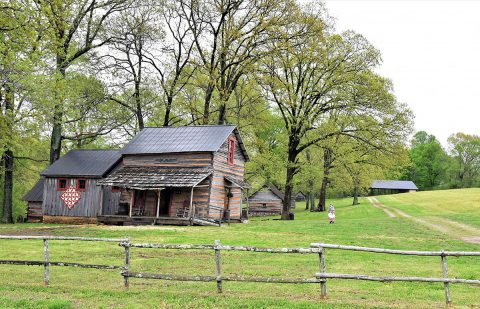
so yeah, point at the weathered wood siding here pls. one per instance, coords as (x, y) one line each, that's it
(180, 198)
(170, 160)
(111, 201)
(34, 212)
(89, 204)
(222, 169)
(263, 202)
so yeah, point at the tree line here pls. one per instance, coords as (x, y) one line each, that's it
(314, 113)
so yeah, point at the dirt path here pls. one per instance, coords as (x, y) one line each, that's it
(455, 229)
(379, 205)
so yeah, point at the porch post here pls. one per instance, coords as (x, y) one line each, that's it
(132, 199)
(191, 207)
(158, 202)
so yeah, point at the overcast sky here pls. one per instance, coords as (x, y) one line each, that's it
(431, 52)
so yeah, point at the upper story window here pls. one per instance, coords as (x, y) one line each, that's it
(62, 184)
(231, 151)
(81, 184)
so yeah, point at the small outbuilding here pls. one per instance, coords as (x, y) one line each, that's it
(267, 201)
(300, 197)
(380, 187)
(34, 199)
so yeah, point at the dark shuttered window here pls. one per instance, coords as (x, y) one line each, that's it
(81, 184)
(62, 184)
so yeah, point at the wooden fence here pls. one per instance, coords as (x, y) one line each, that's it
(46, 263)
(315, 248)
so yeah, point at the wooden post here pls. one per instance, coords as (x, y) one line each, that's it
(132, 200)
(47, 272)
(323, 269)
(448, 300)
(126, 268)
(158, 203)
(218, 266)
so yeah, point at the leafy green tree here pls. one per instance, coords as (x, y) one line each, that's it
(429, 161)
(465, 149)
(319, 77)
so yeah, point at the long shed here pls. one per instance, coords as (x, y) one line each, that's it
(379, 187)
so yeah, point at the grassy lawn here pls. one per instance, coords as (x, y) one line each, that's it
(362, 225)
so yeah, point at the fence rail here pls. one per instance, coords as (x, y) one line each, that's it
(315, 248)
(442, 254)
(46, 263)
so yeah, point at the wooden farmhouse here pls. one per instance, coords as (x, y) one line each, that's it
(380, 187)
(169, 175)
(267, 201)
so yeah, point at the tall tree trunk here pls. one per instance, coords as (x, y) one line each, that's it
(312, 201)
(206, 106)
(8, 188)
(8, 160)
(166, 119)
(292, 169)
(326, 172)
(56, 136)
(355, 196)
(307, 201)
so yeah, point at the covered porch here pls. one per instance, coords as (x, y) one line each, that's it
(158, 195)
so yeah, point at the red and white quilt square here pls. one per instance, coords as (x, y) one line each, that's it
(70, 197)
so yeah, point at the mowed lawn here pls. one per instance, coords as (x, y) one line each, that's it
(362, 225)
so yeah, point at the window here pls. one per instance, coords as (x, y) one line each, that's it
(231, 152)
(81, 184)
(62, 184)
(116, 189)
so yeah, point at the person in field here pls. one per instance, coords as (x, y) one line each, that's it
(331, 214)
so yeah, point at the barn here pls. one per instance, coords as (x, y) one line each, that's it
(71, 193)
(267, 201)
(380, 187)
(169, 175)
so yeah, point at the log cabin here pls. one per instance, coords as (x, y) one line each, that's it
(34, 199)
(169, 175)
(267, 201)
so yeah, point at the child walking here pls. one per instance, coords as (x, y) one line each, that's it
(331, 214)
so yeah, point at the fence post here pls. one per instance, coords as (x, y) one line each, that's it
(448, 300)
(46, 277)
(126, 267)
(323, 269)
(218, 265)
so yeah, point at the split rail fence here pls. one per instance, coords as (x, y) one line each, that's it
(315, 248)
(46, 262)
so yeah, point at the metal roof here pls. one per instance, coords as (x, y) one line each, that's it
(394, 185)
(155, 177)
(82, 162)
(36, 193)
(182, 139)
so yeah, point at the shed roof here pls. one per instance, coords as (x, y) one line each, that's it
(394, 185)
(82, 162)
(36, 193)
(182, 139)
(155, 177)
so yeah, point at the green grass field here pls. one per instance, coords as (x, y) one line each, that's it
(362, 225)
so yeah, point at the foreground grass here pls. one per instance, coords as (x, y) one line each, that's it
(362, 225)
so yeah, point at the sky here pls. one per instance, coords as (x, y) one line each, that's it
(431, 52)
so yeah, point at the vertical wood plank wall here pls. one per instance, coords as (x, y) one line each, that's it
(89, 204)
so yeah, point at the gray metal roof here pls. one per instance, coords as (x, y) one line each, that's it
(155, 177)
(82, 162)
(36, 193)
(394, 185)
(182, 139)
